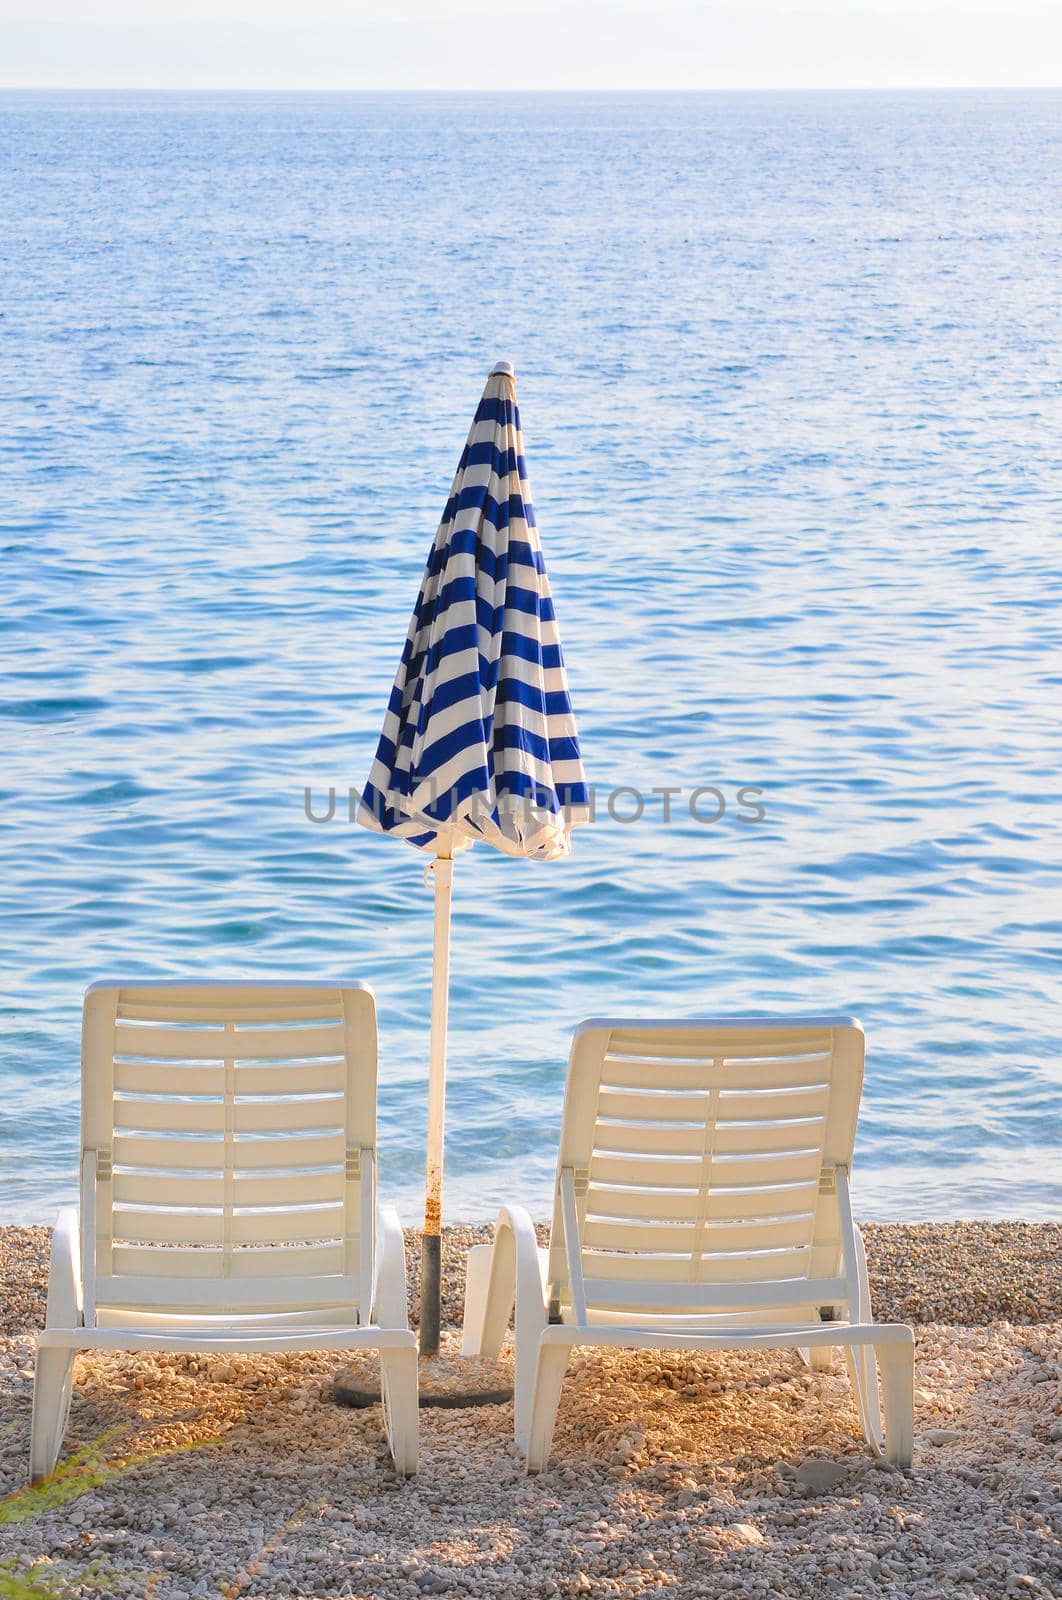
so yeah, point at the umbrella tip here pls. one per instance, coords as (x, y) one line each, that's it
(503, 369)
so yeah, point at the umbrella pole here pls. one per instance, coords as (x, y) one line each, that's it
(431, 1244)
(447, 1380)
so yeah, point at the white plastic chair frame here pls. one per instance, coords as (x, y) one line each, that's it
(228, 1191)
(702, 1203)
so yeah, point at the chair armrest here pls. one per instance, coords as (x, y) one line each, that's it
(65, 1306)
(862, 1310)
(517, 1276)
(391, 1301)
(477, 1283)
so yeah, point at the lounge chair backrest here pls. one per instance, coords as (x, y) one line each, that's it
(228, 1147)
(697, 1168)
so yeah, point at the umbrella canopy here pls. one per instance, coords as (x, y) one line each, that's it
(479, 740)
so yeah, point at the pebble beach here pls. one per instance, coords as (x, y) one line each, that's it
(679, 1477)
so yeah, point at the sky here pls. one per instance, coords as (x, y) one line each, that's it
(529, 44)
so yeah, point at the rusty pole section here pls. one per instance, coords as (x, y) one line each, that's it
(442, 871)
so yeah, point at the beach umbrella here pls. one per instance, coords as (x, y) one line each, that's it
(479, 741)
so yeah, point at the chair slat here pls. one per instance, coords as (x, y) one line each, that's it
(255, 992)
(759, 1233)
(208, 1116)
(636, 1073)
(312, 1258)
(756, 1234)
(233, 1320)
(772, 1105)
(164, 1154)
(167, 1227)
(740, 1138)
(170, 1116)
(136, 1260)
(178, 1078)
(266, 1226)
(650, 1172)
(602, 1235)
(195, 1283)
(324, 1012)
(167, 1189)
(289, 1114)
(732, 1204)
(644, 1138)
(737, 1268)
(248, 1189)
(793, 1073)
(773, 1166)
(283, 1188)
(791, 1199)
(654, 1204)
(217, 1044)
(732, 1268)
(307, 1077)
(258, 1155)
(665, 1296)
(700, 1044)
(155, 1077)
(622, 1104)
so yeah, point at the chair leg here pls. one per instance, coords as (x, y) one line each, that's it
(52, 1386)
(820, 1358)
(896, 1365)
(549, 1376)
(863, 1377)
(525, 1365)
(398, 1388)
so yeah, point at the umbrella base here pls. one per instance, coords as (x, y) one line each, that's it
(446, 1381)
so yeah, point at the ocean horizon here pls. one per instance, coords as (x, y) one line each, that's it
(787, 365)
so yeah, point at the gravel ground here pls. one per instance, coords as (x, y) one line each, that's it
(678, 1477)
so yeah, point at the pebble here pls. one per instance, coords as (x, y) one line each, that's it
(820, 1476)
(747, 1533)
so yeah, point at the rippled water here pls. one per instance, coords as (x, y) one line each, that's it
(788, 369)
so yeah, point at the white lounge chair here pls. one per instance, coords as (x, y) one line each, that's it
(228, 1191)
(701, 1204)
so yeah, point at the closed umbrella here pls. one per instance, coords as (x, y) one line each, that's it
(479, 741)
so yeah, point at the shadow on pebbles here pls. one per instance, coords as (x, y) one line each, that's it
(684, 1477)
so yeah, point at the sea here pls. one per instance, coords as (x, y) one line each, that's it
(789, 372)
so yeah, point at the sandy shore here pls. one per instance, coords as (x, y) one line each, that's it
(682, 1478)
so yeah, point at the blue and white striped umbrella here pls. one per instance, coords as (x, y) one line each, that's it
(479, 740)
